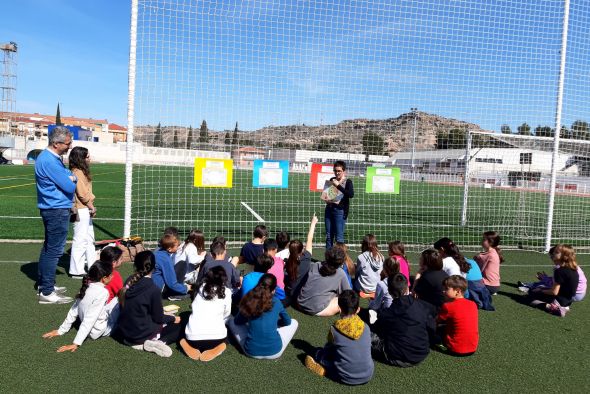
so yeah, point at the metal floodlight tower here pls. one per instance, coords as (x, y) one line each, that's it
(8, 85)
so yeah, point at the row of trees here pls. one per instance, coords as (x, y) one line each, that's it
(203, 138)
(578, 131)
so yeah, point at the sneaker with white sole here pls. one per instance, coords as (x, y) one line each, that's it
(54, 298)
(158, 347)
(523, 289)
(57, 289)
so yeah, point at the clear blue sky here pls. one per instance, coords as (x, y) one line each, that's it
(292, 61)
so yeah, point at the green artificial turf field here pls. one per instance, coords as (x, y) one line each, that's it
(422, 212)
(521, 349)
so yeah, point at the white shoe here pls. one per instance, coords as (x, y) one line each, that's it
(57, 289)
(523, 289)
(54, 298)
(158, 347)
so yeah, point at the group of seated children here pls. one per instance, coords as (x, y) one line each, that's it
(407, 315)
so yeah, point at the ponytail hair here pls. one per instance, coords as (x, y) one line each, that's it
(347, 260)
(144, 264)
(452, 250)
(259, 299)
(493, 239)
(292, 265)
(97, 271)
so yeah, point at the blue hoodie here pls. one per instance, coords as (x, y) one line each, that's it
(54, 187)
(164, 273)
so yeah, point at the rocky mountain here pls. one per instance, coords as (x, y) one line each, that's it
(345, 136)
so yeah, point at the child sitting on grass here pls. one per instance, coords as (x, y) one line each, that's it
(218, 252)
(346, 357)
(164, 275)
(404, 331)
(557, 299)
(397, 251)
(262, 327)
(458, 318)
(325, 282)
(299, 261)
(205, 333)
(142, 322)
(190, 255)
(349, 267)
(283, 239)
(251, 250)
(112, 256)
(383, 299)
(263, 264)
(489, 261)
(278, 267)
(368, 267)
(428, 284)
(91, 308)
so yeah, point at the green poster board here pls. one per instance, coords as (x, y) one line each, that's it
(383, 180)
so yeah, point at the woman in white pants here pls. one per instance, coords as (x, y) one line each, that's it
(83, 252)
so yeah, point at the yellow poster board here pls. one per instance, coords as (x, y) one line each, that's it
(213, 172)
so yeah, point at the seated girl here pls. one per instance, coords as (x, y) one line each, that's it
(205, 333)
(368, 267)
(91, 308)
(262, 327)
(189, 256)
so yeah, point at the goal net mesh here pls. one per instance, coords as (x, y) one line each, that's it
(374, 83)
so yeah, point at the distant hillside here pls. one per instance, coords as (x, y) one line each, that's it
(345, 136)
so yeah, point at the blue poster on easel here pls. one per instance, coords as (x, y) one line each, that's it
(271, 173)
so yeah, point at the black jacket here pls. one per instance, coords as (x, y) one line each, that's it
(407, 328)
(142, 314)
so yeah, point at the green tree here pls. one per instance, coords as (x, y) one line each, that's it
(442, 140)
(544, 131)
(373, 143)
(158, 136)
(505, 129)
(457, 139)
(235, 138)
(204, 133)
(175, 140)
(189, 138)
(58, 117)
(580, 130)
(565, 133)
(524, 129)
(227, 139)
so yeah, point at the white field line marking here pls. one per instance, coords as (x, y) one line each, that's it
(257, 216)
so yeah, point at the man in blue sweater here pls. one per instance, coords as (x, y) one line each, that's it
(56, 186)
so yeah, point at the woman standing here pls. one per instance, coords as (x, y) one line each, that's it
(83, 252)
(337, 205)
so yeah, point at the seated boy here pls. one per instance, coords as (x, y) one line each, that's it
(251, 250)
(283, 239)
(347, 355)
(164, 275)
(220, 260)
(404, 330)
(458, 319)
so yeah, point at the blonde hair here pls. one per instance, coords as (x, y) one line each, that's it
(565, 256)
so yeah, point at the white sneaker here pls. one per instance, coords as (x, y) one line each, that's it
(54, 298)
(57, 289)
(158, 347)
(523, 289)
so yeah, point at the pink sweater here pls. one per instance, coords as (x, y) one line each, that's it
(278, 270)
(404, 267)
(489, 262)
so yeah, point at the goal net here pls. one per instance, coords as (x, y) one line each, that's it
(241, 108)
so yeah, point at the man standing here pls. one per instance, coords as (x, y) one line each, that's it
(56, 186)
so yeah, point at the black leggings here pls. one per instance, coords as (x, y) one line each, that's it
(204, 345)
(170, 333)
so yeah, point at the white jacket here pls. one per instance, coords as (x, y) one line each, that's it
(207, 322)
(96, 316)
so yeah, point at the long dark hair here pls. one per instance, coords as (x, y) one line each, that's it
(144, 264)
(197, 238)
(97, 271)
(292, 265)
(213, 284)
(347, 260)
(77, 160)
(452, 250)
(259, 299)
(369, 244)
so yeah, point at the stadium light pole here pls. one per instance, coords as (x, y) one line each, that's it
(415, 113)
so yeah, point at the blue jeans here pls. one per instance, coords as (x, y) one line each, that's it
(334, 221)
(56, 223)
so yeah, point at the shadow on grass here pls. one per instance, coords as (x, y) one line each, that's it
(31, 269)
(105, 231)
(519, 298)
(509, 284)
(305, 347)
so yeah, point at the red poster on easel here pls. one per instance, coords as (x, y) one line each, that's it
(320, 173)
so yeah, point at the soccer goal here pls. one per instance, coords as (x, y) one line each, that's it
(444, 112)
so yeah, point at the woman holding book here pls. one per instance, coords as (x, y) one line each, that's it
(337, 194)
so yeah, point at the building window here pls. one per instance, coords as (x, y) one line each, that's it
(488, 160)
(526, 158)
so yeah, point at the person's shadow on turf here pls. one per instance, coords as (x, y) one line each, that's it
(31, 269)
